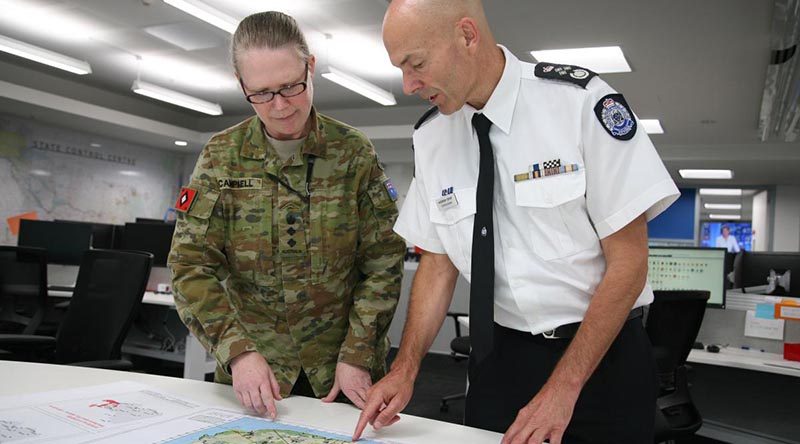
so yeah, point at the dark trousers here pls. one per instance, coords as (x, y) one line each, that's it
(617, 404)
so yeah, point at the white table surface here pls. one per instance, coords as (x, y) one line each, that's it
(150, 297)
(25, 378)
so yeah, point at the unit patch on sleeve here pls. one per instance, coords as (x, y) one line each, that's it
(566, 73)
(185, 199)
(616, 117)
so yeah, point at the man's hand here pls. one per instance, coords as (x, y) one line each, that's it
(384, 401)
(255, 384)
(545, 417)
(353, 381)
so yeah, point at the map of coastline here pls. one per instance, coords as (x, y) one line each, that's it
(261, 431)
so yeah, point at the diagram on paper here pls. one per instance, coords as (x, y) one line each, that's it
(78, 415)
(15, 430)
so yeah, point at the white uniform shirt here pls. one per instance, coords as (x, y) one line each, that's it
(548, 259)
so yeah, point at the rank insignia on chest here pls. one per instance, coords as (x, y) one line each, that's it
(616, 116)
(548, 168)
(185, 199)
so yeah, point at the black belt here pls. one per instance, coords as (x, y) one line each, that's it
(569, 330)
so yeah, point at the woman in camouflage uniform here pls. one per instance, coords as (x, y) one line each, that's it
(284, 262)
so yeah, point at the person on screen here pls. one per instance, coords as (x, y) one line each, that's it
(284, 262)
(725, 240)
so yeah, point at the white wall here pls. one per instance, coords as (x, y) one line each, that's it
(761, 238)
(460, 303)
(787, 219)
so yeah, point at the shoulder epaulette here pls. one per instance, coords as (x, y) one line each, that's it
(428, 114)
(565, 73)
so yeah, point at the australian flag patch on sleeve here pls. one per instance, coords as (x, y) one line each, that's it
(390, 189)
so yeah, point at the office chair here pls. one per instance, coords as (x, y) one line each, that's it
(107, 296)
(672, 324)
(23, 288)
(459, 350)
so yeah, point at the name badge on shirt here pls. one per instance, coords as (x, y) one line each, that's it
(239, 183)
(449, 201)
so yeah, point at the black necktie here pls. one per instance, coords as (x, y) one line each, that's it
(481, 293)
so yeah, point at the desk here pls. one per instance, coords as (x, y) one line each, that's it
(196, 362)
(747, 360)
(744, 396)
(31, 378)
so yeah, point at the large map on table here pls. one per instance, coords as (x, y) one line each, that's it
(132, 413)
(260, 431)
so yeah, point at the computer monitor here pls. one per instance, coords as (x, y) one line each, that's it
(689, 268)
(711, 234)
(756, 267)
(102, 234)
(153, 238)
(145, 220)
(65, 241)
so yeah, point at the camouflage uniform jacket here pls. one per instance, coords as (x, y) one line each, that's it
(258, 265)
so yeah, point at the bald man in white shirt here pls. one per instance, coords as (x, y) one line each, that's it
(544, 164)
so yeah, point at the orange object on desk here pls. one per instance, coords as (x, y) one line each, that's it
(791, 352)
(788, 311)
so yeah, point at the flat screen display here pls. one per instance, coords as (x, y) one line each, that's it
(65, 242)
(678, 268)
(712, 235)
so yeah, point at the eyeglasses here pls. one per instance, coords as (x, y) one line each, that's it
(267, 96)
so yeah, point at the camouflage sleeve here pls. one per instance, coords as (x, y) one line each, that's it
(199, 265)
(380, 264)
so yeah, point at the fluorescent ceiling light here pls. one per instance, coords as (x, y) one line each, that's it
(710, 206)
(652, 126)
(725, 216)
(360, 86)
(181, 143)
(175, 98)
(42, 173)
(360, 51)
(58, 20)
(44, 56)
(720, 191)
(206, 13)
(604, 59)
(130, 173)
(177, 70)
(706, 174)
(95, 145)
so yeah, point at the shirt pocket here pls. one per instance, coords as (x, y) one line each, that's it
(558, 220)
(248, 245)
(334, 220)
(454, 226)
